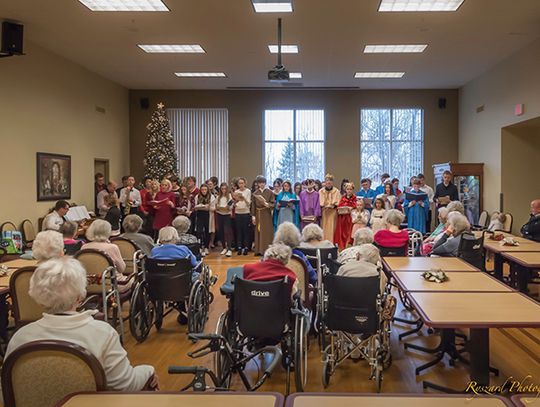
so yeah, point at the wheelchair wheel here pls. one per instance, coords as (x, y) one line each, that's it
(197, 308)
(378, 371)
(222, 363)
(141, 312)
(326, 370)
(159, 314)
(300, 353)
(405, 300)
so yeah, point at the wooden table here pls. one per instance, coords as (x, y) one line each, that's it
(478, 311)
(12, 266)
(161, 399)
(521, 264)
(457, 281)
(392, 264)
(401, 400)
(526, 400)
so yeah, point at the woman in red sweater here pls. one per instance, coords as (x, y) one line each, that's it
(392, 236)
(342, 234)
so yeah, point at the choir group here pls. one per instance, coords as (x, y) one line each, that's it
(245, 219)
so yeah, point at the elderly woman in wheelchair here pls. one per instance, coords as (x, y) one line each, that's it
(356, 314)
(262, 318)
(173, 279)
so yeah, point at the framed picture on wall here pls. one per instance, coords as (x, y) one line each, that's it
(53, 177)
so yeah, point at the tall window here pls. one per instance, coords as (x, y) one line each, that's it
(392, 141)
(294, 144)
(202, 141)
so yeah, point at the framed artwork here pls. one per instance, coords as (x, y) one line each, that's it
(53, 177)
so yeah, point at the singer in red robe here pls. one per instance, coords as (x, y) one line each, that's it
(342, 235)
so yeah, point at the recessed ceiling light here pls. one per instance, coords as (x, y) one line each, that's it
(272, 6)
(285, 49)
(125, 5)
(200, 74)
(295, 75)
(371, 75)
(420, 5)
(386, 49)
(171, 49)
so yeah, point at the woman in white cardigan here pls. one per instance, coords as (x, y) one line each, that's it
(59, 285)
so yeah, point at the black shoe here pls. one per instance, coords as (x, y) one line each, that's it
(181, 319)
(239, 252)
(245, 252)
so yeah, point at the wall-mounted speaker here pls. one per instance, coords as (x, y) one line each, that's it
(12, 39)
(442, 103)
(145, 103)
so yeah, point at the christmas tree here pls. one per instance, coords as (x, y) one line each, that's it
(160, 156)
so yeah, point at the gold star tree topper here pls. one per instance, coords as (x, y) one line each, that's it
(160, 105)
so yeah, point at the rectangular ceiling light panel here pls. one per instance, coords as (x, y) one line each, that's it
(374, 75)
(125, 5)
(419, 5)
(285, 49)
(172, 49)
(397, 49)
(272, 6)
(200, 74)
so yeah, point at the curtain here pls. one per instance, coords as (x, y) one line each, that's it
(202, 142)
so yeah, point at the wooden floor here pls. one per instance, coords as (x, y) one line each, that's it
(514, 351)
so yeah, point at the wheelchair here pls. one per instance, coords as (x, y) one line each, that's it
(241, 335)
(356, 318)
(167, 285)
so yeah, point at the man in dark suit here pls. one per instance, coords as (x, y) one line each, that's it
(531, 230)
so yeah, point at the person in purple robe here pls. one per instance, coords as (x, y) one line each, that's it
(310, 208)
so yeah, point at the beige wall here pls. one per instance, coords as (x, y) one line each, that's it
(515, 80)
(48, 105)
(520, 181)
(342, 123)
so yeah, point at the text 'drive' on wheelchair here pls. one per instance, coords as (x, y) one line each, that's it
(261, 320)
(355, 323)
(167, 285)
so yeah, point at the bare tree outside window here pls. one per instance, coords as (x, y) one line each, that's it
(294, 144)
(392, 141)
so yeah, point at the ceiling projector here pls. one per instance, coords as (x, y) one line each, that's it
(278, 74)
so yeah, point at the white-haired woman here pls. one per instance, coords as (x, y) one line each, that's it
(427, 244)
(366, 264)
(98, 233)
(288, 234)
(132, 226)
(448, 244)
(47, 245)
(361, 236)
(392, 236)
(273, 266)
(312, 238)
(169, 249)
(59, 286)
(182, 224)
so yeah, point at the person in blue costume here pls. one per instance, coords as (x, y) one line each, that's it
(384, 179)
(366, 192)
(277, 187)
(416, 210)
(290, 212)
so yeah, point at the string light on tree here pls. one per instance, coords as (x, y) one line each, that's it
(160, 158)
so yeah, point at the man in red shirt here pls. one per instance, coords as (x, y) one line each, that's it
(273, 266)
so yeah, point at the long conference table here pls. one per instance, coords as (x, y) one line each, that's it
(469, 299)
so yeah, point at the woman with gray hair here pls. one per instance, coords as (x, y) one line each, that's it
(392, 236)
(361, 236)
(59, 286)
(273, 267)
(182, 224)
(456, 206)
(366, 264)
(448, 244)
(132, 225)
(427, 244)
(98, 233)
(288, 234)
(169, 249)
(312, 238)
(47, 245)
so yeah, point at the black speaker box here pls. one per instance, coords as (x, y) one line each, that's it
(145, 103)
(12, 39)
(442, 103)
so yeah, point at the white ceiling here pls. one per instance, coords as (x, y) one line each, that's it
(331, 35)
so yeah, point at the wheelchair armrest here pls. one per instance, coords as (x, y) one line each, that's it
(186, 369)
